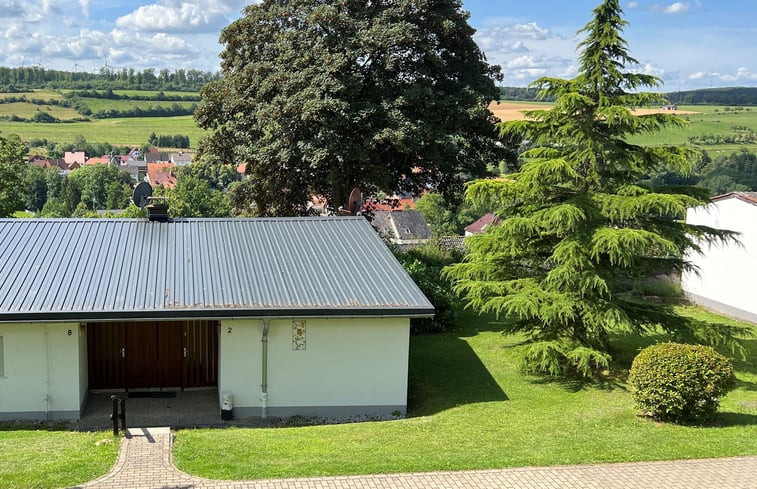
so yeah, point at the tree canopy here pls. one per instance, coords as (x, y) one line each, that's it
(12, 170)
(317, 97)
(579, 236)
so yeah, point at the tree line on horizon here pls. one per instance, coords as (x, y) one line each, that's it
(34, 77)
(704, 96)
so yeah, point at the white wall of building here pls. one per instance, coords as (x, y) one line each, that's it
(43, 371)
(727, 273)
(355, 366)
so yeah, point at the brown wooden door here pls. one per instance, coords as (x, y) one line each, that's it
(200, 351)
(153, 354)
(105, 349)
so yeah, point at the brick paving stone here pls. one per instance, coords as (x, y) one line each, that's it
(144, 462)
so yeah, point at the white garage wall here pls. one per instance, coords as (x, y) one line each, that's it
(726, 272)
(42, 371)
(349, 367)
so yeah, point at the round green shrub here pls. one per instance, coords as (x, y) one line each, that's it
(680, 383)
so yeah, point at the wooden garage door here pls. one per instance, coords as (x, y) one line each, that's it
(152, 354)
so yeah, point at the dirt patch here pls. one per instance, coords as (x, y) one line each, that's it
(514, 111)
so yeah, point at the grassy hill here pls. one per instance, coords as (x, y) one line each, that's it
(119, 131)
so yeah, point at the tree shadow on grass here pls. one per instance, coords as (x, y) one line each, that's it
(445, 372)
(736, 419)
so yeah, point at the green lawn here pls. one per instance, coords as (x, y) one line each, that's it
(471, 408)
(121, 132)
(31, 459)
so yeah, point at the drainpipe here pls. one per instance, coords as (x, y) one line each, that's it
(47, 374)
(264, 384)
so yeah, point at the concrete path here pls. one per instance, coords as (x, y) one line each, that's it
(144, 462)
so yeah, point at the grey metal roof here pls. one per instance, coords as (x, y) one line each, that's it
(200, 268)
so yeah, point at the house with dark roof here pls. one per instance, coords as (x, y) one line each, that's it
(157, 157)
(403, 228)
(181, 158)
(292, 316)
(725, 272)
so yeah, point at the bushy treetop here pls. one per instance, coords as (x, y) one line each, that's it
(320, 96)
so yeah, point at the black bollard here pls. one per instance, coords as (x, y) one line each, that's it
(123, 414)
(114, 416)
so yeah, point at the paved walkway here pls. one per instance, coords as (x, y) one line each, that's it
(144, 462)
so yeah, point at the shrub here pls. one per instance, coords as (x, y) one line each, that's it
(424, 264)
(680, 383)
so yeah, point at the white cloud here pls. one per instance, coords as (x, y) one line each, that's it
(633, 5)
(677, 8)
(84, 7)
(176, 16)
(742, 74)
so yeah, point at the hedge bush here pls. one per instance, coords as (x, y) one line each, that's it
(680, 383)
(425, 265)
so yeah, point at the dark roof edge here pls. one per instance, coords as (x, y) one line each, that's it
(196, 314)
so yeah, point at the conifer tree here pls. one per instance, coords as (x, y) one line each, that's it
(579, 235)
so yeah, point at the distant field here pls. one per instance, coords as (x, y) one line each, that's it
(40, 94)
(154, 92)
(98, 104)
(122, 132)
(27, 110)
(703, 119)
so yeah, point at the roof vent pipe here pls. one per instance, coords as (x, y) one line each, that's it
(157, 209)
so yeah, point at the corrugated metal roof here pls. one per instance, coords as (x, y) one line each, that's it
(200, 268)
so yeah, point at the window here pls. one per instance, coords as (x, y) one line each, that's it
(2, 359)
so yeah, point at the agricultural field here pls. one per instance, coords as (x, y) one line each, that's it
(703, 120)
(28, 110)
(100, 104)
(125, 131)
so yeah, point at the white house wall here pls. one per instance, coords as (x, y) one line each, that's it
(348, 367)
(727, 273)
(43, 371)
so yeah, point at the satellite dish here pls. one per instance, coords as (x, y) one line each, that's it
(141, 193)
(355, 202)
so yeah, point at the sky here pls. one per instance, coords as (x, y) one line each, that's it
(689, 44)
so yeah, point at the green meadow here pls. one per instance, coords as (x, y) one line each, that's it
(706, 119)
(121, 132)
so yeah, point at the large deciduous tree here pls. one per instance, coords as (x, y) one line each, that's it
(320, 96)
(580, 235)
(12, 170)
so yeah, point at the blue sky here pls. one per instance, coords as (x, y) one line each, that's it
(689, 44)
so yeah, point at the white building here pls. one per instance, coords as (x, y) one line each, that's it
(727, 273)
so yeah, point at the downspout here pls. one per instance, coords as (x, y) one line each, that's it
(47, 374)
(264, 383)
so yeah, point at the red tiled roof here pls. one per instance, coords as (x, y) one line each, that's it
(161, 174)
(478, 226)
(98, 160)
